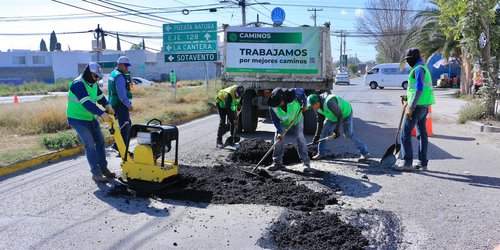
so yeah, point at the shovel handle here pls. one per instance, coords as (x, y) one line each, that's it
(401, 121)
(324, 139)
(276, 142)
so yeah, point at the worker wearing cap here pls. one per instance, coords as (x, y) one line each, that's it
(227, 101)
(83, 95)
(120, 95)
(338, 113)
(286, 106)
(419, 96)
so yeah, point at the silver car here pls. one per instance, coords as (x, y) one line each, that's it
(342, 78)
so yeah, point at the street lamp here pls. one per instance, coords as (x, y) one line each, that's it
(243, 4)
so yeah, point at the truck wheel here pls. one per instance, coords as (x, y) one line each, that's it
(249, 117)
(404, 85)
(373, 85)
(310, 122)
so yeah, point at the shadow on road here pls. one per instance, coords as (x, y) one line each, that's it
(453, 138)
(473, 180)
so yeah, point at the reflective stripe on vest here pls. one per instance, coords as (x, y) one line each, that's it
(75, 107)
(221, 97)
(345, 108)
(427, 97)
(292, 110)
(113, 93)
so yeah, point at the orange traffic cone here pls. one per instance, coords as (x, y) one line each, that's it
(428, 124)
(16, 100)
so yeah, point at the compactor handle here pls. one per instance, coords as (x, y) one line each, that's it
(154, 119)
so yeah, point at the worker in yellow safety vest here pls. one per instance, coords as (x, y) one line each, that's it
(227, 101)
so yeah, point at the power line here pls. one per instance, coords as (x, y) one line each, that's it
(106, 14)
(161, 18)
(111, 35)
(344, 7)
(43, 34)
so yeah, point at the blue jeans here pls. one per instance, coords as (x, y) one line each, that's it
(93, 141)
(279, 150)
(123, 116)
(419, 118)
(328, 128)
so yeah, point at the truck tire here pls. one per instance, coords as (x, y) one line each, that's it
(310, 122)
(249, 116)
(404, 85)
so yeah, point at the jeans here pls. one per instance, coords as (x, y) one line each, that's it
(328, 128)
(279, 150)
(223, 128)
(123, 115)
(419, 118)
(93, 141)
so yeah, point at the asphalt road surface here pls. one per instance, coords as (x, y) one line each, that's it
(454, 205)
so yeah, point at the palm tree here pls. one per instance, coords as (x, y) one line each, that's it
(430, 39)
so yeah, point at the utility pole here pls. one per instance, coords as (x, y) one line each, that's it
(340, 59)
(314, 16)
(243, 5)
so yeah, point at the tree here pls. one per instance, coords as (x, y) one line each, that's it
(118, 46)
(476, 18)
(53, 41)
(353, 68)
(136, 46)
(143, 44)
(386, 26)
(43, 45)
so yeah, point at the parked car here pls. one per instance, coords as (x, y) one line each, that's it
(139, 81)
(387, 75)
(342, 77)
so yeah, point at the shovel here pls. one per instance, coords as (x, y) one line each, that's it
(389, 157)
(322, 140)
(264, 173)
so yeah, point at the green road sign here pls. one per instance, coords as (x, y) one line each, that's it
(264, 37)
(189, 27)
(195, 57)
(108, 65)
(190, 37)
(190, 47)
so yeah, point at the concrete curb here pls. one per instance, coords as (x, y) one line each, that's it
(481, 127)
(18, 166)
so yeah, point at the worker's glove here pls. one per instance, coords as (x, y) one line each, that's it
(409, 113)
(404, 99)
(110, 110)
(279, 137)
(235, 123)
(337, 133)
(131, 108)
(315, 139)
(106, 118)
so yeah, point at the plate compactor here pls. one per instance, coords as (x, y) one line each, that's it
(146, 168)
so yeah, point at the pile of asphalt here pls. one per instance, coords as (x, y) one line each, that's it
(251, 152)
(316, 230)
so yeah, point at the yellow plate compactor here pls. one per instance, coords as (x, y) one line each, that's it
(147, 168)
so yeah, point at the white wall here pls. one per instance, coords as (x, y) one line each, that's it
(65, 63)
(7, 58)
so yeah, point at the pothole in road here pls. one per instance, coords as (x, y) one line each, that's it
(313, 230)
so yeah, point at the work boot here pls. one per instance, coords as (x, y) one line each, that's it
(364, 158)
(275, 167)
(219, 144)
(318, 157)
(308, 170)
(108, 174)
(421, 166)
(403, 166)
(99, 178)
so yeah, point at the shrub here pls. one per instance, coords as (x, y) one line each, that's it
(472, 111)
(64, 139)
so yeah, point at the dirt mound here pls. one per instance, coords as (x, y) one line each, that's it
(316, 230)
(251, 152)
(230, 185)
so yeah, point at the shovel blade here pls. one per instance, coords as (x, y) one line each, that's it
(391, 152)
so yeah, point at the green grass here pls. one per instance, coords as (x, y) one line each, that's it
(34, 88)
(8, 158)
(61, 140)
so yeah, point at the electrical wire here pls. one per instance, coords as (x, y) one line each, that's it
(42, 34)
(159, 17)
(157, 26)
(345, 7)
(111, 35)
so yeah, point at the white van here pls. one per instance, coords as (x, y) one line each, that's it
(387, 75)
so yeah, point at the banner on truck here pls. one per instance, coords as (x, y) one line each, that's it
(273, 50)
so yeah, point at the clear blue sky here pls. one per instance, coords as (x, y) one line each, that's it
(18, 17)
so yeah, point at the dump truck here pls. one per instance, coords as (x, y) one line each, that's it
(263, 58)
